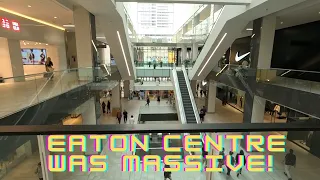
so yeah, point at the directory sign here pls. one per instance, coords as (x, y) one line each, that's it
(10, 24)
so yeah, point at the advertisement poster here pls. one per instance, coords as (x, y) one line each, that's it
(34, 56)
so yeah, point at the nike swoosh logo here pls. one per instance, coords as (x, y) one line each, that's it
(238, 58)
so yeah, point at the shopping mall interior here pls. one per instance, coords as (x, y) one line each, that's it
(155, 68)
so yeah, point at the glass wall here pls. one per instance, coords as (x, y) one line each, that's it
(155, 55)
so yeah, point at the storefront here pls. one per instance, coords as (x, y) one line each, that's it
(155, 54)
(234, 97)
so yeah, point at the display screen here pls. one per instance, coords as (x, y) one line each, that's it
(34, 56)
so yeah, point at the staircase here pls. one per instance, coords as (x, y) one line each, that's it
(188, 109)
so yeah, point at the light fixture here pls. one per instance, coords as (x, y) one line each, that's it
(39, 43)
(249, 29)
(285, 73)
(221, 70)
(46, 44)
(253, 35)
(212, 53)
(94, 46)
(31, 18)
(27, 43)
(55, 17)
(29, 6)
(68, 25)
(281, 22)
(124, 55)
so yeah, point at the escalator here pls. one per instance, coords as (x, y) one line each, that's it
(186, 100)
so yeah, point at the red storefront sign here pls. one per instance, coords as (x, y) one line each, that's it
(10, 24)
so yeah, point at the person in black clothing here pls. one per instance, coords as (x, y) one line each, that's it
(161, 63)
(289, 161)
(103, 107)
(108, 107)
(204, 154)
(237, 161)
(158, 98)
(198, 85)
(167, 174)
(232, 162)
(125, 116)
(149, 64)
(201, 114)
(201, 92)
(148, 101)
(154, 66)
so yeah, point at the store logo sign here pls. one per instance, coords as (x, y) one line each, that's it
(239, 58)
(10, 25)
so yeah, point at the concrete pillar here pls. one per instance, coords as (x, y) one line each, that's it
(83, 35)
(254, 109)
(183, 53)
(11, 60)
(212, 93)
(116, 98)
(126, 88)
(104, 54)
(43, 152)
(194, 52)
(193, 84)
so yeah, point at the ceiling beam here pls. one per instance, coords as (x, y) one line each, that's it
(221, 2)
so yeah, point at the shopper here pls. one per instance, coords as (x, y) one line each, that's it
(204, 109)
(154, 66)
(39, 171)
(167, 174)
(148, 101)
(119, 115)
(201, 92)
(204, 159)
(125, 116)
(289, 162)
(241, 153)
(198, 85)
(158, 99)
(201, 114)
(205, 93)
(221, 161)
(131, 121)
(103, 107)
(49, 68)
(161, 63)
(232, 162)
(108, 107)
(149, 63)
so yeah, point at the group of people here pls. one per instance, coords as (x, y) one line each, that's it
(203, 93)
(125, 117)
(104, 105)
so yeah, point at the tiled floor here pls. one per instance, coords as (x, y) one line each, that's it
(19, 95)
(308, 166)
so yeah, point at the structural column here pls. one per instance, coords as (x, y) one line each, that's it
(11, 60)
(126, 88)
(183, 53)
(85, 34)
(211, 99)
(116, 99)
(193, 85)
(261, 54)
(195, 52)
(44, 153)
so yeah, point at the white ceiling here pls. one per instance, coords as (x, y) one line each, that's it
(44, 10)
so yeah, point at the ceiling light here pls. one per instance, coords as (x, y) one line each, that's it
(29, 6)
(281, 22)
(27, 43)
(94, 46)
(124, 55)
(55, 17)
(31, 18)
(253, 35)
(249, 29)
(212, 53)
(68, 25)
(46, 44)
(39, 43)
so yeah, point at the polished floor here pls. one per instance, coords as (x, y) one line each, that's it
(20, 95)
(308, 166)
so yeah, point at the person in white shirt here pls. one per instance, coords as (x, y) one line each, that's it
(131, 120)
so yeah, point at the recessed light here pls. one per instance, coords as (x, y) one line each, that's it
(249, 29)
(29, 6)
(46, 44)
(39, 43)
(27, 43)
(55, 17)
(281, 22)
(68, 25)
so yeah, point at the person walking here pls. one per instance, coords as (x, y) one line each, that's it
(154, 66)
(204, 109)
(221, 161)
(289, 162)
(167, 174)
(131, 121)
(232, 163)
(204, 159)
(39, 171)
(103, 105)
(148, 101)
(119, 116)
(158, 99)
(201, 92)
(108, 107)
(201, 114)
(241, 153)
(125, 116)
(49, 68)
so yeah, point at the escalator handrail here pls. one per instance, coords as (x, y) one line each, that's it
(178, 96)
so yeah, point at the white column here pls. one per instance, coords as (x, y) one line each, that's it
(11, 60)
(83, 41)
(104, 54)
(183, 53)
(266, 41)
(194, 52)
(116, 98)
(212, 93)
(88, 112)
(258, 108)
(44, 153)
